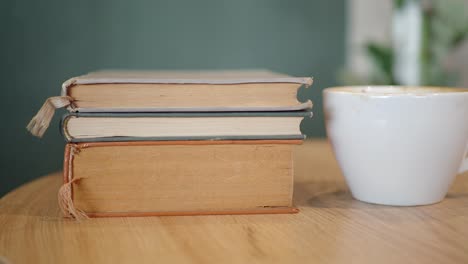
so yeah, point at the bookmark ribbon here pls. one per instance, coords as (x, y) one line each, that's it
(41, 121)
(65, 199)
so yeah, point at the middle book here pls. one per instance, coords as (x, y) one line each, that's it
(92, 127)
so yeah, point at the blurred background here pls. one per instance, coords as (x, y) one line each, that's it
(337, 42)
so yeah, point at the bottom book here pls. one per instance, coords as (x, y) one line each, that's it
(103, 179)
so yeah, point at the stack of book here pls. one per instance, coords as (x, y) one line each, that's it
(178, 143)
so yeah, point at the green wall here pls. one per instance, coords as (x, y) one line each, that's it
(45, 42)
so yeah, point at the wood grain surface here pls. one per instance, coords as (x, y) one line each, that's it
(331, 228)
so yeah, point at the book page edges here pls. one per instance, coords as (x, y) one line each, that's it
(307, 81)
(68, 165)
(303, 106)
(83, 145)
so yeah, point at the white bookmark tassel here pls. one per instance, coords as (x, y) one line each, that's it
(41, 121)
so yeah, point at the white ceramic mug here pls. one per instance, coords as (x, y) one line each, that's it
(398, 145)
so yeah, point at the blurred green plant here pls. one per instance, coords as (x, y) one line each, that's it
(444, 28)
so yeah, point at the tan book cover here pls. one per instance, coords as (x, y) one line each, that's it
(178, 178)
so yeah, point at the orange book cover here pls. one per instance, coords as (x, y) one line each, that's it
(145, 178)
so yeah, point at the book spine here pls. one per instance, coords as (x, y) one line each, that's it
(267, 210)
(64, 128)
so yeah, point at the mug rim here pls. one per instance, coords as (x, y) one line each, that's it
(395, 90)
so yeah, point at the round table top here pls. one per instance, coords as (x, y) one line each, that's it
(332, 227)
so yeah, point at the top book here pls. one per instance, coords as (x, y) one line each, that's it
(184, 91)
(175, 91)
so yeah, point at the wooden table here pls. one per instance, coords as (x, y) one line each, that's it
(331, 228)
